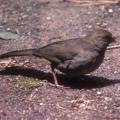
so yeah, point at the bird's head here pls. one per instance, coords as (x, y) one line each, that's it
(101, 38)
(105, 35)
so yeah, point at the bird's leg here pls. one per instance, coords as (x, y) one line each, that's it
(54, 76)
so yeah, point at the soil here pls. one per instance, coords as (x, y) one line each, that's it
(25, 90)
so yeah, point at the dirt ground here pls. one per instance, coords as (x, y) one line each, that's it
(25, 92)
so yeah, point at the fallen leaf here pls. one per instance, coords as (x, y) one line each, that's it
(8, 35)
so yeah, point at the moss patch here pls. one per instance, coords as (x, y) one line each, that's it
(28, 83)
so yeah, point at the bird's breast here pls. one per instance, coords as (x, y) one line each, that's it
(79, 69)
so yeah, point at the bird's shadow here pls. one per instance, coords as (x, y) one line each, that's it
(82, 82)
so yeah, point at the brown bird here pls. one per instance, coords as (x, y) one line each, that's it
(73, 56)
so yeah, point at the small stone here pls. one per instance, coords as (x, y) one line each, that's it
(105, 108)
(48, 18)
(110, 10)
(115, 72)
(8, 29)
(89, 26)
(41, 104)
(68, 115)
(99, 93)
(98, 23)
(103, 8)
(108, 99)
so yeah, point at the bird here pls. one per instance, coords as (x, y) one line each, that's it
(73, 57)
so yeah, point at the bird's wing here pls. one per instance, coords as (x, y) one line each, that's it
(82, 61)
(61, 51)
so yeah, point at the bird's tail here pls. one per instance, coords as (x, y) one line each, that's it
(27, 52)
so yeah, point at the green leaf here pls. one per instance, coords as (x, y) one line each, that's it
(8, 35)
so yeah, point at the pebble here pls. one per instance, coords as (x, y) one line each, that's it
(110, 10)
(48, 18)
(115, 72)
(108, 99)
(8, 29)
(99, 93)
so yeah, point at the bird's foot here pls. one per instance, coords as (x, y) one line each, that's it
(59, 86)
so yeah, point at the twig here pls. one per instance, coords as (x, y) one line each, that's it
(113, 47)
(91, 2)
